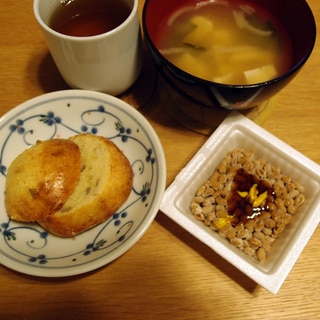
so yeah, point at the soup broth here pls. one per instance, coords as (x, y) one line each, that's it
(83, 18)
(226, 42)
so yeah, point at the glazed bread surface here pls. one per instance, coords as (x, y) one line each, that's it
(41, 179)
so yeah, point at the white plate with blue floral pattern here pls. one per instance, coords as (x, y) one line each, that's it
(28, 248)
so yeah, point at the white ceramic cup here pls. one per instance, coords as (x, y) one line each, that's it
(108, 62)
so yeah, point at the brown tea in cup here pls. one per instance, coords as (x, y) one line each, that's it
(84, 18)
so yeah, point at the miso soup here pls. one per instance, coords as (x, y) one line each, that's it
(226, 42)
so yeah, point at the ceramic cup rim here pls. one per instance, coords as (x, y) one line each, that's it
(45, 26)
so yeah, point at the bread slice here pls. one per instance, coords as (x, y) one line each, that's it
(41, 179)
(104, 184)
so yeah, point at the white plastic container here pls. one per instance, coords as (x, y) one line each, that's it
(236, 131)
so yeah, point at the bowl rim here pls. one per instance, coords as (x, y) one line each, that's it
(194, 79)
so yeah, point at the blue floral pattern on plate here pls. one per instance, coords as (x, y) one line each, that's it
(30, 249)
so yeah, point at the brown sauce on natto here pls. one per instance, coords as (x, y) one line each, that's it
(241, 207)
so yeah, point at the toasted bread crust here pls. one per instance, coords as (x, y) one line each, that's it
(104, 185)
